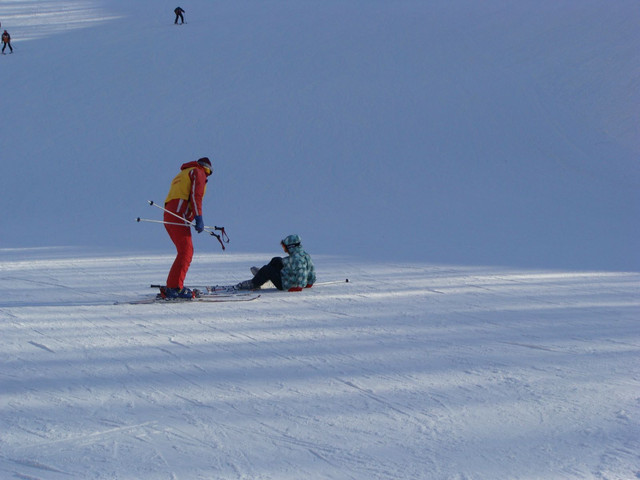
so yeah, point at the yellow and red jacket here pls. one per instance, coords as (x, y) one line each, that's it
(187, 191)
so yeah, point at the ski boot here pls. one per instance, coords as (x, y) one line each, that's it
(246, 285)
(176, 293)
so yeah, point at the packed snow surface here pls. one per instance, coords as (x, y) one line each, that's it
(408, 371)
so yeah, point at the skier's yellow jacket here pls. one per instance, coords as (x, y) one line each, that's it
(187, 190)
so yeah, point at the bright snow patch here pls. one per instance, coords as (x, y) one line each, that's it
(406, 372)
(33, 19)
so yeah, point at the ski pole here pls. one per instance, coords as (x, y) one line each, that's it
(185, 224)
(162, 221)
(332, 282)
(222, 238)
(207, 228)
(151, 202)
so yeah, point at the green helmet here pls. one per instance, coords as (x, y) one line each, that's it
(292, 241)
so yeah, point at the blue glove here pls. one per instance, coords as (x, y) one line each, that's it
(199, 224)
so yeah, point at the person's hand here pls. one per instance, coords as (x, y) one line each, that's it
(199, 224)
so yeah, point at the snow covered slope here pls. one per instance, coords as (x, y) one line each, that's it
(406, 372)
(464, 132)
(410, 144)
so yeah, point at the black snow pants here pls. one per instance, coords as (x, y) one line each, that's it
(270, 271)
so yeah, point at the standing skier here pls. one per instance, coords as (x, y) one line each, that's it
(292, 273)
(179, 15)
(185, 200)
(6, 40)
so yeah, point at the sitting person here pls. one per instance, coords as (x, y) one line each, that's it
(292, 273)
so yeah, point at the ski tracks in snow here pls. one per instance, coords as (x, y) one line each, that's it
(405, 372)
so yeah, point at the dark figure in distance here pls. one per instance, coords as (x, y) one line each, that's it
(179, 15)
(6, 40)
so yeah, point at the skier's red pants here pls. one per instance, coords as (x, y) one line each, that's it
(181, 237)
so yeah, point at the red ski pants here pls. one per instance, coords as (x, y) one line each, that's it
(181, 238)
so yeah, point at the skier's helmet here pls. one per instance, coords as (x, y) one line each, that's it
(206, 163)
(292, 241)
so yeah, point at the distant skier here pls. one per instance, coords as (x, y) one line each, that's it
(179, 15)
(185, 200)
(6, 41)
(292, 273)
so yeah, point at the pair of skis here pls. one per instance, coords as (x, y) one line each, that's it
(210, 294)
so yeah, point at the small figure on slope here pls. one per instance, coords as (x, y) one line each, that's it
(184, 201)
(179, 15)
(292, 273)
(6, 41)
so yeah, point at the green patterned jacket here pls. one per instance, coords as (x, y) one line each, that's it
(298, 270)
